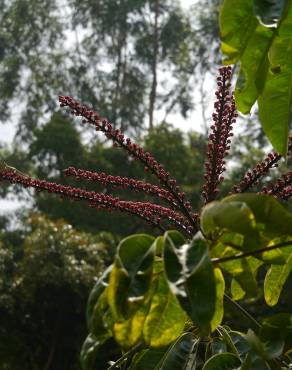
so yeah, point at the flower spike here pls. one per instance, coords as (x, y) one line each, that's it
(219, 138)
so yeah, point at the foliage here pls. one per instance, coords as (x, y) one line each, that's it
(163, 300)
(46, 272)
(258, 34)
(188, 277)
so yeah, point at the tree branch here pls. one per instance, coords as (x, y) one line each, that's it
(251, 253)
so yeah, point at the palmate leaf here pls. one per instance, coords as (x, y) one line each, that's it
(191, 277)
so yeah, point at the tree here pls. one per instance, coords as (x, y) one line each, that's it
(46, 272)
(115, 59)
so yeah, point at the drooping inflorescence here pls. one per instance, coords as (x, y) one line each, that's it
(219, 139)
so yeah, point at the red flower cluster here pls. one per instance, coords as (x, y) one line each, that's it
(282, 188)
(179, 213)
(152, 213)
(134, 150)
(121, 182)
(253, 176)
(219, 139)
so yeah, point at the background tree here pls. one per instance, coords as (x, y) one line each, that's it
(46, 272)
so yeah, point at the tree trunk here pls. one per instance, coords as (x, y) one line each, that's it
(152, 97)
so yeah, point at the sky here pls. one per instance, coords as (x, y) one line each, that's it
(7, 132)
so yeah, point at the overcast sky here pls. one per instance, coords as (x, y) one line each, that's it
(193, 122)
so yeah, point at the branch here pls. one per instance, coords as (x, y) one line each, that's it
(251, 253)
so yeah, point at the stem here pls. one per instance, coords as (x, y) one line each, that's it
(252, 253)
(125, 356)
(243, 311)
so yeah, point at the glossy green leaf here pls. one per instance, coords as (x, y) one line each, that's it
(245, 275)
(147, 359)
(223, 361)
(274, 108)
(275, 100)
(131, 275)
(265, 54)
(247, 353)
(219, 308)
(236, 290)
(191, 277)
(276, 278)
(251, 68)
(278, 325)
(165, 320)
(235, 216)
(268, 212)
(90, 350)
(159, 245)
(231, 217)
(128, 333)
(269, 11)
(97, 305)
(177, 356)
(237, 23)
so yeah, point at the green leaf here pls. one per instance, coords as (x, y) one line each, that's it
(159, 245)
(235, 216)
(267, 211)
(128, 333)
(223, 361)
(276, 98)
(177, 356)
(236, 290)
(131, 275)
(165, 320)
(244, 274)
(96, 305)
(90, 350)
(237, 23)
(248, 351)
(269, 11)
(276, 278)
(219, 308)
(276, 326)
(147, 359)
(251, 68)
(191, 277)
